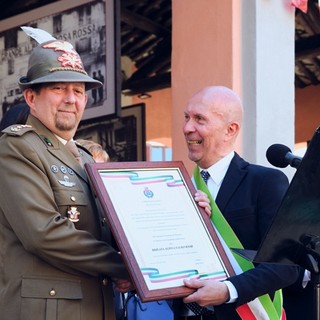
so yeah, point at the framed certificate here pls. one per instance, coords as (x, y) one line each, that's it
(163, 235)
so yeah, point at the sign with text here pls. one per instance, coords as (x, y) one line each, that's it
(89, 25)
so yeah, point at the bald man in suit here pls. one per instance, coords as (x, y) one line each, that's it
(247, 195)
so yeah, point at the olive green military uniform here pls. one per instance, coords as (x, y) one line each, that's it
(54, 262)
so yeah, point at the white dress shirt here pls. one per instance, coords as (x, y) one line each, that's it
(217, 173)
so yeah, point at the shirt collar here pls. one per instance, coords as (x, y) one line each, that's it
(63, 141)
(219, 169)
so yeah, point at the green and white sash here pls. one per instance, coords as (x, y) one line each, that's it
(261, 308)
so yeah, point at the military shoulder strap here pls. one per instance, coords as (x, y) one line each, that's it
(18, 129)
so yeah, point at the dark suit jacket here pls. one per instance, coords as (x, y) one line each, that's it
(249, 198)
(51, 266)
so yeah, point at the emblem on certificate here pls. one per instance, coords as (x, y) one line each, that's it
(148, 193)
(73, 214)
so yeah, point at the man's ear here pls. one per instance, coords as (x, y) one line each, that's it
(233, 129)
(29, 96)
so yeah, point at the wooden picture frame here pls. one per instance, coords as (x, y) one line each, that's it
(91, 26)
(124, 138)
(161, 232)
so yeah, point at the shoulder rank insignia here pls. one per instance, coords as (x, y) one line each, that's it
(19, 127)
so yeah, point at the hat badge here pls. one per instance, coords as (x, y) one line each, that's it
(69, 57)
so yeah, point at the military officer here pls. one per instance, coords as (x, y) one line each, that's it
(55, 260)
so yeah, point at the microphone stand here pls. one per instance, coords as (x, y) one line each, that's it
(312, 246)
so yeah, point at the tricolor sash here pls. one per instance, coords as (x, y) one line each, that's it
(261, 308)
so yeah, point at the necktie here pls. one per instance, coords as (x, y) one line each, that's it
(205, 175)
(197, 309)
(71, 146)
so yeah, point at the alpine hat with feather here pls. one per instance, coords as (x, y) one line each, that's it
(54, 61)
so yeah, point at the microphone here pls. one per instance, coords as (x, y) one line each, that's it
(280, 156)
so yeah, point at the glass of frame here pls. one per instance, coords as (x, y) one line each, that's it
(162, 233)
(92, 28)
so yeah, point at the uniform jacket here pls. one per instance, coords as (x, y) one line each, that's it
(53, 265)
(249, 198)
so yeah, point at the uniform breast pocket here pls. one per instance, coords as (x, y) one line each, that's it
(50, 298)
(70, 199)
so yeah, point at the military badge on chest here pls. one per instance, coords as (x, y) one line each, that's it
(66, 182)
(73, 214)
(66, 172)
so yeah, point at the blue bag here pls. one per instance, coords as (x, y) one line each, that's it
(135, 309)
